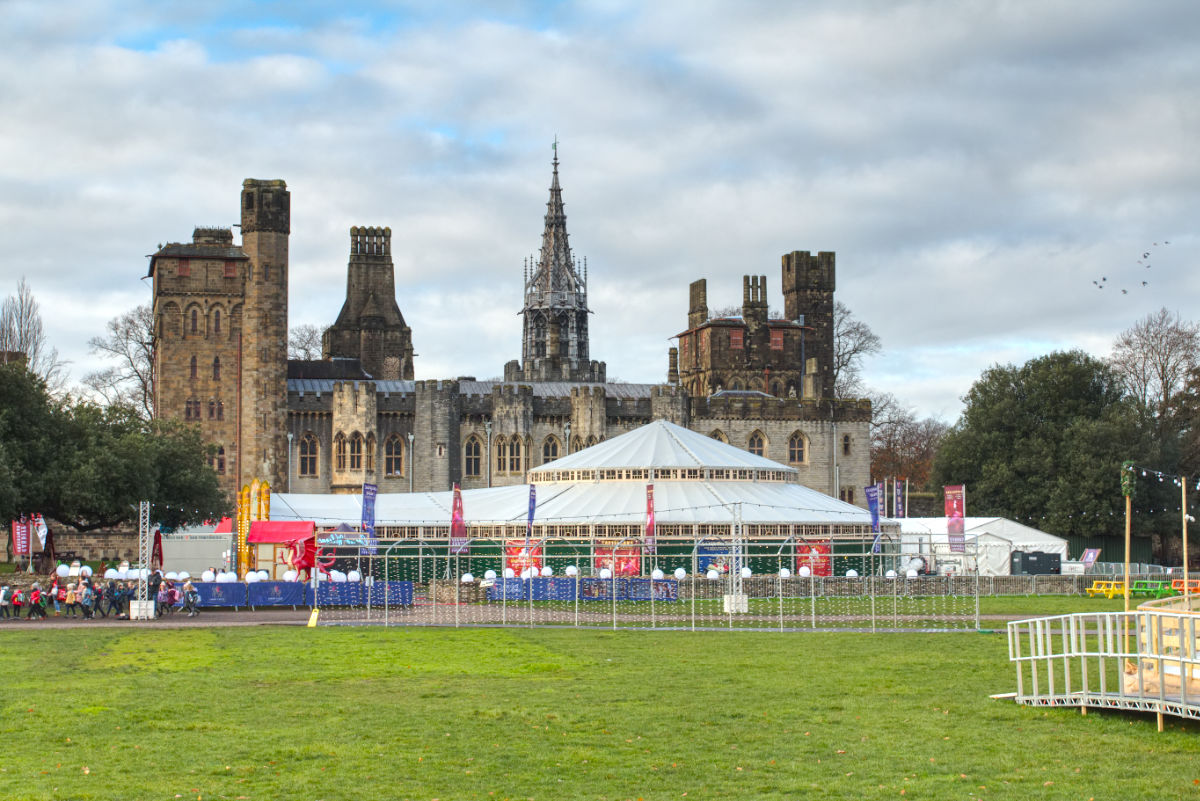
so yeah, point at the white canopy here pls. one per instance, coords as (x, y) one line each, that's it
(991, 540)
(658, 445)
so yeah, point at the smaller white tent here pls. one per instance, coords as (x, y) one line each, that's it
(990, 543)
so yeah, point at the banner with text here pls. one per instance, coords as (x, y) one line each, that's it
(956, 512)
(368, 518)
(458, 527)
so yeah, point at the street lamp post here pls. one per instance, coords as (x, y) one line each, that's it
(410, 462)
(289, 481)
(487, 456)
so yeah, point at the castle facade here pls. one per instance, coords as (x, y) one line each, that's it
(357, 415)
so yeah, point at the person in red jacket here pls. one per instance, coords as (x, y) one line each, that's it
(35, 603)
(18, 601)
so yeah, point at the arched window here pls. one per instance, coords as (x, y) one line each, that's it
(370, 453)
(393, 456)
(735, 385)
(501, 454)
(796, 449)
(777, 389)
(220, 410)
(846, 445)
(192, 367)
(195, 321)
(218, 461)
(576, 444)
(549, 449)
(757, 444)
(339, 451)
(718, 434)
(217, 321)
(472, 463)
(217, 368)
(212, 410)
(356, 451)
(514, 455)
(591, 440)
(308, 455)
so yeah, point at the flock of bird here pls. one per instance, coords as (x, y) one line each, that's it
(1144, 261)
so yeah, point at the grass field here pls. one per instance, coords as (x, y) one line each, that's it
(338, 713)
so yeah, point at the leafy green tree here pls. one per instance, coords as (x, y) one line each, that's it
(1046, 440)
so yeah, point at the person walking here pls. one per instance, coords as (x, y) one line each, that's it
(35, 603)
(87, 599)
(72, 601)
(112, 595)
(5, 601)
(18, 601)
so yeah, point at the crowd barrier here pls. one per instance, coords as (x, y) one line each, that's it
(587, 589)
(237, 594)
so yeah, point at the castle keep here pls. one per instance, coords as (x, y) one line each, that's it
(759, 382)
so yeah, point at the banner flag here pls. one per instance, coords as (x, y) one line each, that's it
(39, 523)
(650, 543)
(898, 494)
(532, 506)
(369, 491)
(873, 494)
(458, 527)
(21, 540)
(1090, 555)
(956, 512)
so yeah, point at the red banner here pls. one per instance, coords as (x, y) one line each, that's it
(649, 543)
(518, 558)
(628, 560)
(21, 539)
(956, 512)
(458, 527)
(814, 554)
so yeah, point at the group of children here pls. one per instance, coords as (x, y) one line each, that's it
(86, 598)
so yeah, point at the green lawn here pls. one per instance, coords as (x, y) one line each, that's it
(333, 713)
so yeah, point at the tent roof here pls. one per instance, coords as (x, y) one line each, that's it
(658, 445)
(1019, 534)
(225, 526)
(280, 530)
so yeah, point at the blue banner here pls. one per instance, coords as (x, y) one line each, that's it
(368, 519)
(532, 506)
(231, 593)
(511, 589)
(341, 593)
(390, 593)
(276, 593)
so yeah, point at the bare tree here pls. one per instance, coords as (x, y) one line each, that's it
(304, 342)
(853, 340)
(130, 342)
(903, 446)
(21, 332)
(1154, 358)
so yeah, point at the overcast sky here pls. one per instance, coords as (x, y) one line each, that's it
(975, 165)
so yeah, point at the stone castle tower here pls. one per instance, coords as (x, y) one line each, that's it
(266, 225)
(370, 327)
(554, 339)
(808, 285)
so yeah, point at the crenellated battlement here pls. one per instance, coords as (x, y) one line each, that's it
(370, 241)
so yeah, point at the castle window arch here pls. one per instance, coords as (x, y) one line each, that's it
(220, 410)
(370, 454)
(216, 326)
(514, 455)
(757, 384)
(550, 449)
(797, 448)
(576, 444)
(777, 389)
(591, 440)
(308, 455)
(501, 455)
(356, 451)
(472, 457)
(845, 445)
(719, 435)
(195, 328)
(212, 409)
(192, 367)
(220, 461)
(393, 456)
(339, 451)
(757, 444)
(735, 385)
(216, 368)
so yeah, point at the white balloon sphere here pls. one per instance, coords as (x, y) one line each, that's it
(605, 573)
(354, 576)
(656, 574)
(490, 575)
(291, 575)
(251, 577)
(85, 571)
(467, 578)
(890, 574)
(338, 577)
(680, 573)
(804, 572)
(747, 572)
(911, 574)
(208, 576)
(172, 576)
(851, 573)
(525, 572)
(785, 573)
(508, 572)
(712, 575)
(110, 574)
(62, 571)
(184, 575)
(572, 571)
(263, 575)
(547, 571)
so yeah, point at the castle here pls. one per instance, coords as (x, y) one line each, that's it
(358, 416)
